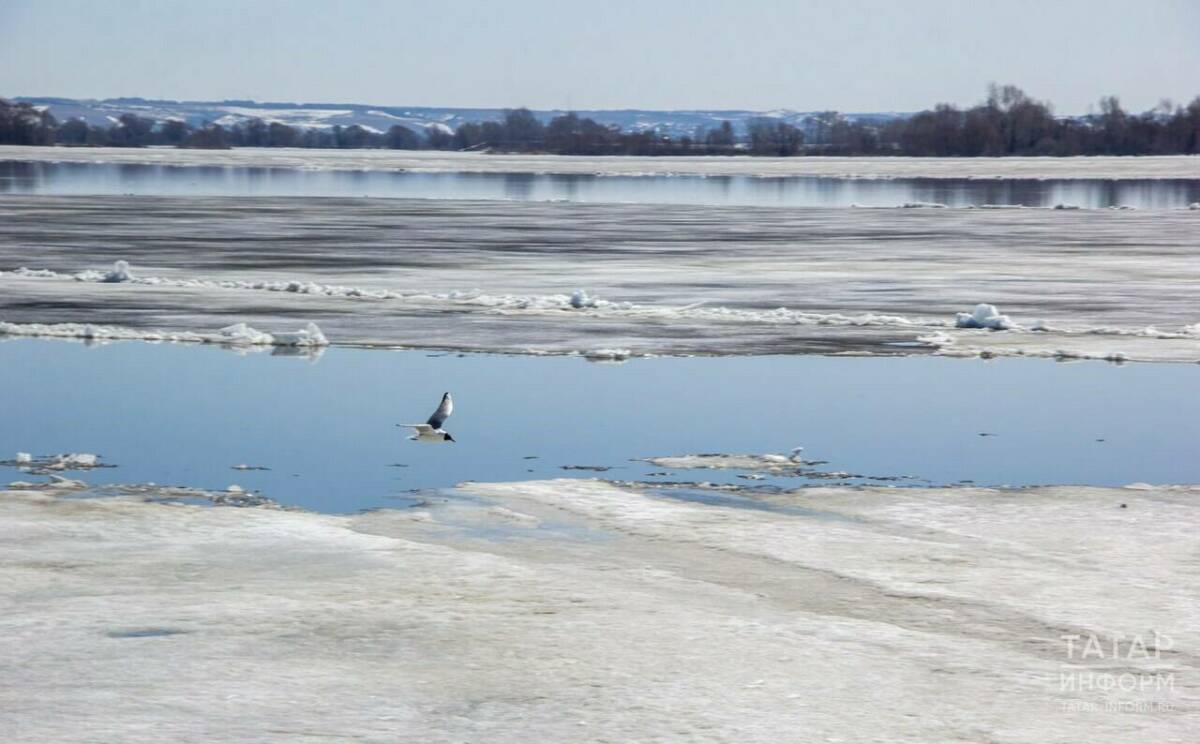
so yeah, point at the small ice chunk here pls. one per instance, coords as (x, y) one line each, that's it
(119, 273)
(937, 339)
(79, 459)
(581, 299)
(922, 205)
(1194, 205)
(24, 457)
(607, 355)
(309, 335)
(235, 489)
(983, 316)
(241, 333)
(36, 273)
(1066, 206)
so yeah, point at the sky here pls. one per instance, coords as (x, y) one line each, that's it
(855, 56)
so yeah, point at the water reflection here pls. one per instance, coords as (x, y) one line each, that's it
(519, 186)
(108, 178)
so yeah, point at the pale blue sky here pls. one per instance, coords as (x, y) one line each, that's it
(851, 56)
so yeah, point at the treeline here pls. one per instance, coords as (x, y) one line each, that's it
(1012, 123)
(1007, 123)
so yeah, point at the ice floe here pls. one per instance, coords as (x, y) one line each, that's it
(57, 463)
(579, 299)
(613, 602)
(1099, 167)
(654, 280)
(238, 334)
(773, 463)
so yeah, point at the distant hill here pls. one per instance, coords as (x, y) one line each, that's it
(381, 118)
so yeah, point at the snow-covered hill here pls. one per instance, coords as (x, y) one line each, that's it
(380, 118)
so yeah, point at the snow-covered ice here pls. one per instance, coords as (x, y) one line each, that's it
(773, 463)
(49, 464)
(571, 278)
(238, 334)
(585, 611)
(608, 355)
(1149, 167)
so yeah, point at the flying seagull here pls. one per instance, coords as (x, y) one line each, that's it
(431, 431)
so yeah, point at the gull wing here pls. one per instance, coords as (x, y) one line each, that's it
(420, 429)
(442, 413)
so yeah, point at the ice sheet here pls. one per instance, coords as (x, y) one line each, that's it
(237, 335)
(583, 611)
(1181, 166)
(611, 280)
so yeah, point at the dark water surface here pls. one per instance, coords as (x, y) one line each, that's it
(184, 415)
(18, 177)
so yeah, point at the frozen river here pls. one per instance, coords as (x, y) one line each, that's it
(566, 568)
